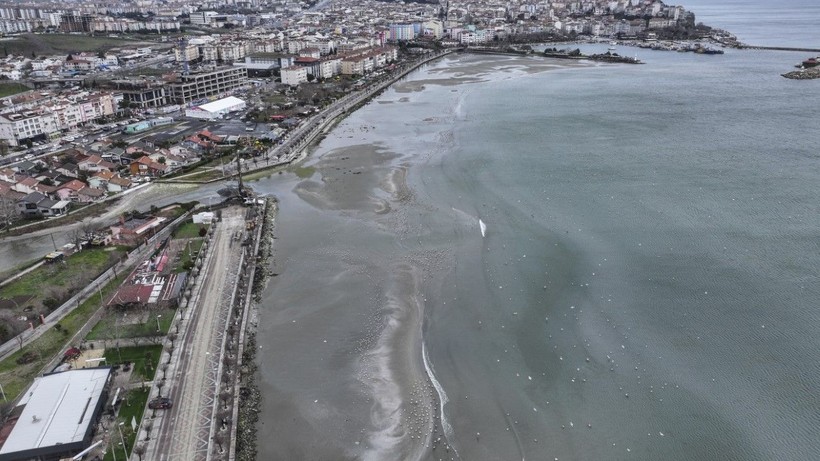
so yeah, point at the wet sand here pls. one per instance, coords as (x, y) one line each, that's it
(361, 260)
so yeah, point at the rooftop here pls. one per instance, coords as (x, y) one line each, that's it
(221, 104)
(57, 409)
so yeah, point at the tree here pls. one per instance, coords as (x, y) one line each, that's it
(148, 425)
(172, 336)
(140, 450)
(311, 77)
(8, 212)
(10, 327)
(225, 395)
(219, 439)
(224, 417)
(80, 233)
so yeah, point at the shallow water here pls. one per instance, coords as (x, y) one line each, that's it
(644, 290)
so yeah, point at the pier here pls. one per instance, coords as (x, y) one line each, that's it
(779, 48)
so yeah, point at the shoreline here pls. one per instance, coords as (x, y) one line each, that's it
(243, 445)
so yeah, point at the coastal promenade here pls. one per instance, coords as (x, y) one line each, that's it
(187, 430)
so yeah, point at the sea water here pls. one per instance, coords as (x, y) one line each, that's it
(645, 288)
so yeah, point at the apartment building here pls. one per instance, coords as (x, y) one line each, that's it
(294, 75)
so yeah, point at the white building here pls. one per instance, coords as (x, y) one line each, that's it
(216, 109)
(58, 414)
(294, 75)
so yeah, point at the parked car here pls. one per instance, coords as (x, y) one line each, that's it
(160, 403)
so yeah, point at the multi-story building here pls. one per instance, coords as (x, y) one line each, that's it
(43, 117)
(17, 127)
(188, 52)
(330, 67)
(143, 93)
(198, 85)
(401, 32)
(294, 75)
(74, 22)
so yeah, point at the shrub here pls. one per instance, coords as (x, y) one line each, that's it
(51, 303)
(27, 357)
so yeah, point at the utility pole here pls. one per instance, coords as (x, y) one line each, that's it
(239, 175)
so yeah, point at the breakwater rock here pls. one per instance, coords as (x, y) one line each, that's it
(804, 74)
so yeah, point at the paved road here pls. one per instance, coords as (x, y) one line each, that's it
(182, 433)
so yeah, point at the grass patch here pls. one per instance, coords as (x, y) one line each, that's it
(137, 398)
(43, 44)
(74, 215)
(52, 284)
(132, 407)
(186, 259)
(16, 378)
(188, 230)
(8, 89)
(109, 326)
(144, 358)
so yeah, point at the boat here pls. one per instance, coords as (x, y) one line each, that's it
(809, 63)
(483, 227)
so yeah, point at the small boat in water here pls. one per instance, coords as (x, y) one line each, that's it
(483, 227)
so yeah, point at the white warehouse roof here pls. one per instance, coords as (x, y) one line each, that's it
(58, 409)
(222, 104)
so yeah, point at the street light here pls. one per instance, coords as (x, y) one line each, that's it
(122, 440)
(158, 316)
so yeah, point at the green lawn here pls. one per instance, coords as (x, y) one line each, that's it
(53, 283)
(8, 89)
(139, 356)
(132, 407)
(16, 378)
(188, 230)
(186, 260)
(109, 328)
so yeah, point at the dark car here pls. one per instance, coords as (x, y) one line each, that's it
(160, 403)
